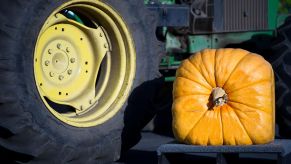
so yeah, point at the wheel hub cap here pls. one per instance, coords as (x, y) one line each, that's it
(84, 68)
(65, 65)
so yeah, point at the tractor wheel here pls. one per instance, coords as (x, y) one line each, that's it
(281, 62)
(66, 70)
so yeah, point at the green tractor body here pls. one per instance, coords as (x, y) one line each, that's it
(219, 24)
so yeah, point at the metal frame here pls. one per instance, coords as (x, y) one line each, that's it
(228, 154)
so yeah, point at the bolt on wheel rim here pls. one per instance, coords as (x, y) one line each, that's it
(84, 72)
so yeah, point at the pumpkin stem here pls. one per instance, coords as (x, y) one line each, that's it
(219, 96)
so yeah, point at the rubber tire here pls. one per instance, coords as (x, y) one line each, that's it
(281, 62)
(28, 131)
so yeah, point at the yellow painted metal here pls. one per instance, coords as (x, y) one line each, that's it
(88, 68)
(70, 56)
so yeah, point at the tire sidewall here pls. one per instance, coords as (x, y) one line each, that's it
(280, 60)
(41, 118)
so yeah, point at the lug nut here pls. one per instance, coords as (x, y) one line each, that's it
(59, 46)
(69, 71)
(49, 51)
(105, 45)
(72, 60)
(67, 49)
(47, 63)
(52, 74)
(61, 77)
(101, 35)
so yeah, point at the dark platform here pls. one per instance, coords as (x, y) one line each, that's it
(281, 148)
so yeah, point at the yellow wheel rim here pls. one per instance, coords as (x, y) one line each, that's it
(84, 72)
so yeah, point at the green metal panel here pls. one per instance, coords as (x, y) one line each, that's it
(199, 42)
(258, 37)
(273, 6)
(169, 61)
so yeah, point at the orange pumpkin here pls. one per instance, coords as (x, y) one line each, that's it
(224, 96)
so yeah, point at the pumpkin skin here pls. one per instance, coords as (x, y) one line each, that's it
(248, 114)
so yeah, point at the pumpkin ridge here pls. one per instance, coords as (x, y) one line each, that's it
(183, 77)
(204, 65)
(178, 111)
(221, 122)
(214, 113)
(246, 104)
(250, 85)
(215, 72)
(186, 69)
(201, 71)
(239, 121)
(196, 81)
(237, 112)
(253, 69)
(258, 125)
(234, 68)
(217, 63)
(255, 108)
(189, 132)
(228, 112)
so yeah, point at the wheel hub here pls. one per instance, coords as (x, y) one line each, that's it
(57, 61)
(69, 68)
(65, 65)
(60, 62)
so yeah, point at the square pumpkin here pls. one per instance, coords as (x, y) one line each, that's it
(224, 97)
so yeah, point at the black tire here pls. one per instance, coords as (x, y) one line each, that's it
(281, 62)
(28, 131)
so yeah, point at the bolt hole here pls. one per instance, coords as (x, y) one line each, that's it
(86, 63)
(40, 84)
(63, 29)
(57, 61)
(86, 71)
(56, 28)
(35, 60)
(67, 94)
(81, 38)
(60, 93)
